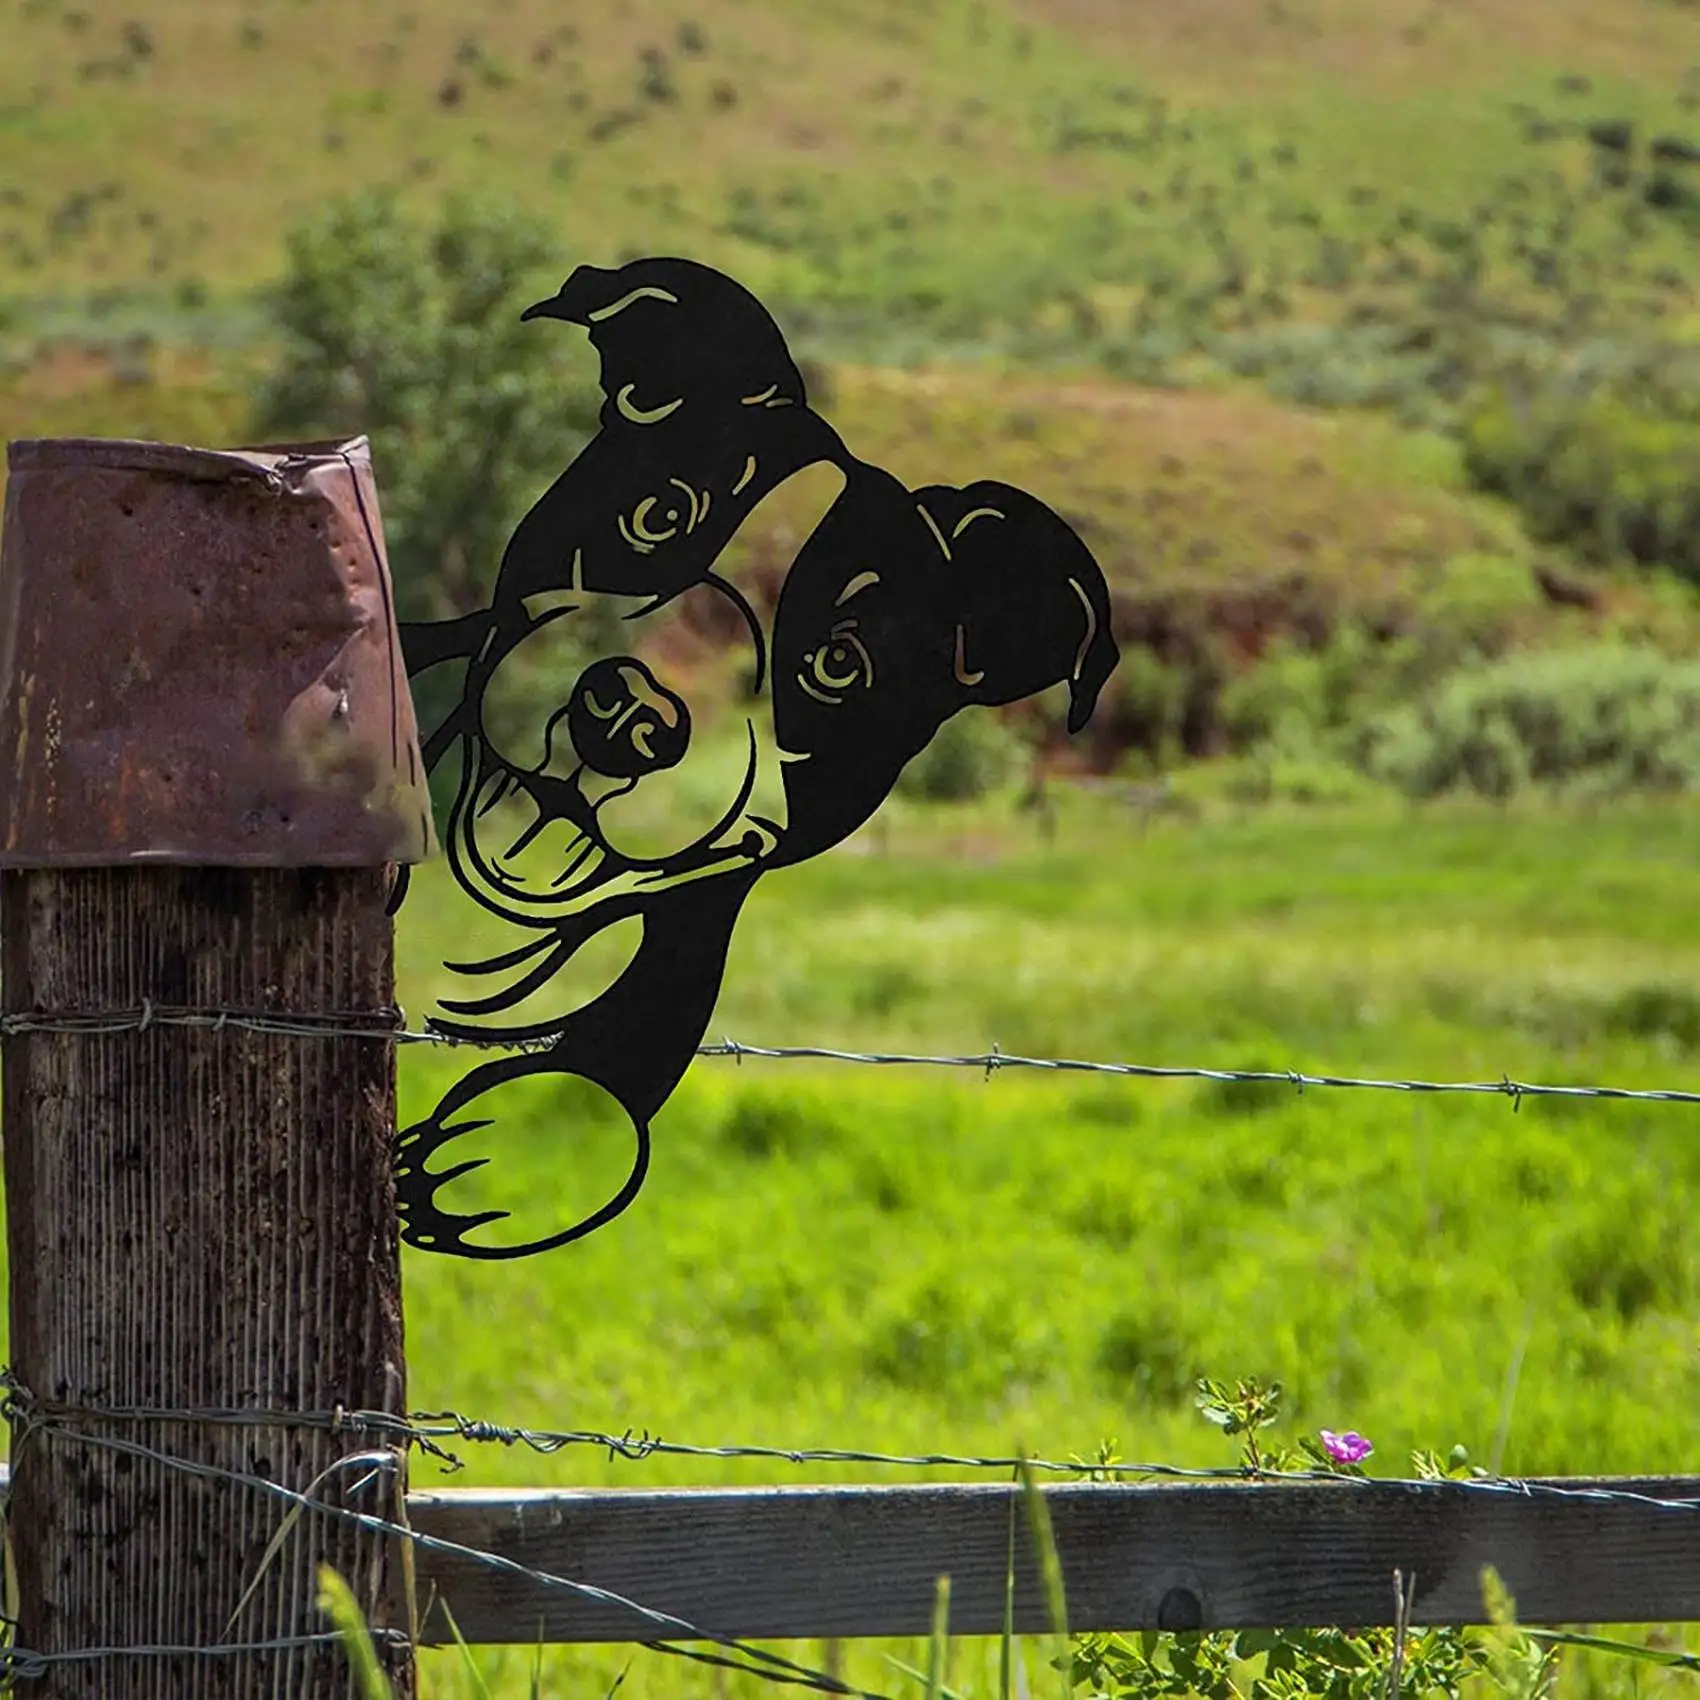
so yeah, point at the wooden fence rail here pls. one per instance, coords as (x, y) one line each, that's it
(862, 1561)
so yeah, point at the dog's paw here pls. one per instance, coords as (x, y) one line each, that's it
(533, 1162)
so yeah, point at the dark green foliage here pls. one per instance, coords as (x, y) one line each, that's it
(764, 1123)
(1605, 718)
(1665, 1013)
(1615, 135)
(1234, 1098)
(972, 753)
(942, 1340)
(1147, 1352)
(1609, 470)
(1633, 1254)
(410, 333)
(1675, 148)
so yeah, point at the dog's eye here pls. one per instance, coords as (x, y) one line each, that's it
(839, 664)
(660, 518)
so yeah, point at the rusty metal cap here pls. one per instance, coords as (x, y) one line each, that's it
(199, 660)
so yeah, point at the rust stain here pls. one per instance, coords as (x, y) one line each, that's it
(213, 633)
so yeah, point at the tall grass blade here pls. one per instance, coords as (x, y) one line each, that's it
(469, 1664)
(946, 1692)
(1050, 1576)
(1619, 1649)
(337, 1602)
(1006, 1645)
(940, 1640)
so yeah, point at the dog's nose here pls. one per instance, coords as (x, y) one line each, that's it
(624, 722)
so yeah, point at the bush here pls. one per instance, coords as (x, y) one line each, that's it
(1310, 703)
(1150, 699)
(1604, 718)
(765, 1122)
(1610, 476)
(972, 753)
(410, 333)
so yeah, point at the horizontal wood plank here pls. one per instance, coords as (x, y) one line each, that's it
(806, 1562)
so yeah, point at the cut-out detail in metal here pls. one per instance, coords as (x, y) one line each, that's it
(899, 608)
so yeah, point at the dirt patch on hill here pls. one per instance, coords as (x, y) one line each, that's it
(1231, 47)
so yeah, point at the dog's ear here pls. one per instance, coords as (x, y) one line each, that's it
(1030, 603)
(675, 337)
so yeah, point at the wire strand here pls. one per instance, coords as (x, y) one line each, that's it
(24, 1665)
(762, 1661)
(65, 1422)
(428, 1428)
(391, 1025)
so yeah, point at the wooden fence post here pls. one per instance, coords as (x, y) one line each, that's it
(208, 770)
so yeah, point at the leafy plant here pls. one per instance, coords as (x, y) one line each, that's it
(974, 752)
(1605, 468)
(1285, 1664)
(1603, 717)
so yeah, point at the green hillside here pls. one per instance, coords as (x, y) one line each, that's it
(1344, 205)
(972, 162)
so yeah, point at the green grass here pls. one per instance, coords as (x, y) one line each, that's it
(830, 1256)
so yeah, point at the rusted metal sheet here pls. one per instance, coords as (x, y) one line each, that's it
(199, 660)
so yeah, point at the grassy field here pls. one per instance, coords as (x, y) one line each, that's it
(832, 1256)
(1218, 280)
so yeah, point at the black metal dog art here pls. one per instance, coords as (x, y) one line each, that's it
(900, 608)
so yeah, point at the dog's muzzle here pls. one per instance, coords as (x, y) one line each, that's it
(623, 722)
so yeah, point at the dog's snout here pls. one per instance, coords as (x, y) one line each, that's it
(624, 722)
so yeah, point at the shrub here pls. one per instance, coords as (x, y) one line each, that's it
(944, 1341)
(972, 753)
(1604, 718)
(772, 1121)
(410, 333)
(1305, 701)
(1149, 1354)
(1611, 477)
(1150, 698)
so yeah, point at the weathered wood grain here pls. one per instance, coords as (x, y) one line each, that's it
(195, 1219)
(857, 1561)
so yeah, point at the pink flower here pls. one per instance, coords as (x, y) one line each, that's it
(1347, 1448)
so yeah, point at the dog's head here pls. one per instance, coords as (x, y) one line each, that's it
(899, 610)
(904, 608)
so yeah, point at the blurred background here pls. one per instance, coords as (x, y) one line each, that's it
(1360, 339)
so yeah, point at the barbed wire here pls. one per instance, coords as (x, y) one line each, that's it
(388, 1023)
(428, 1429)
(22, 1664)
(65, 1422)
(391, 1024)
(757, 1661)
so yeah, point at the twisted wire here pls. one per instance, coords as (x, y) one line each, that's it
(391, 1025)
(62, 1422)
(20, 1664)
(33, 1420)
(428, 1429)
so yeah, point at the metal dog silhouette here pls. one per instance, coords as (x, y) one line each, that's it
(900, 608)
